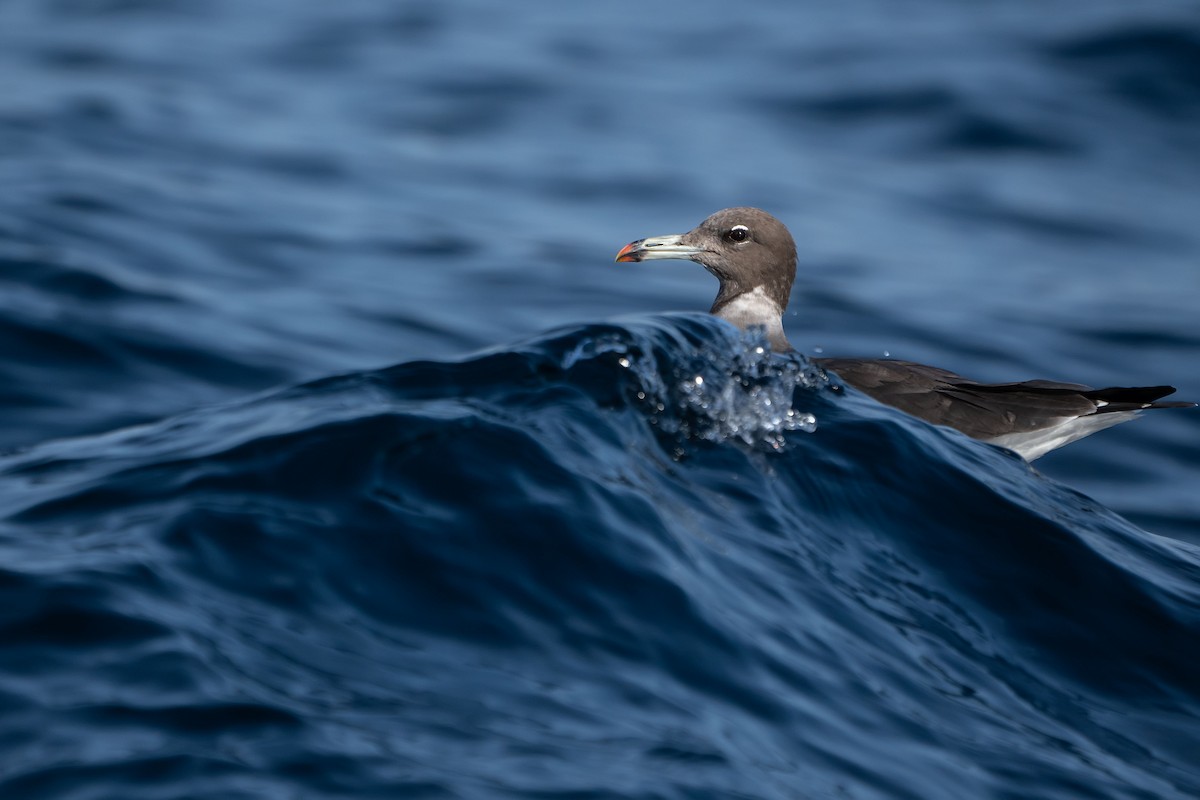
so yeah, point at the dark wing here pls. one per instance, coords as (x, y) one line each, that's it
(985, 410)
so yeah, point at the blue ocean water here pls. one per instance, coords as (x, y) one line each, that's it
(339, 459)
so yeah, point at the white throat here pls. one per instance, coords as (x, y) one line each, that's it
(755, 308)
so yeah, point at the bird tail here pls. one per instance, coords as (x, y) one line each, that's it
(1134, 398)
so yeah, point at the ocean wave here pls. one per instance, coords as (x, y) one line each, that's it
(571, 553)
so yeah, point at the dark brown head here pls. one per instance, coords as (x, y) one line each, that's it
(746, 248)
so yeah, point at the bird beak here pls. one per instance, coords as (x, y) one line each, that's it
(658, 247)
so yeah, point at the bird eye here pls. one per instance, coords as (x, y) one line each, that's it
(738, 233)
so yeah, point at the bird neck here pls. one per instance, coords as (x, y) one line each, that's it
(753, 308)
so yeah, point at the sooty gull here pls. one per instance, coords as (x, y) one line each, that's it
(753, 256)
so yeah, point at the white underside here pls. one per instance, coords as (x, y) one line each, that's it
(1035, 444)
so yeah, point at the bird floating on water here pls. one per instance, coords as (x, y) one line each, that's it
(753, 256)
